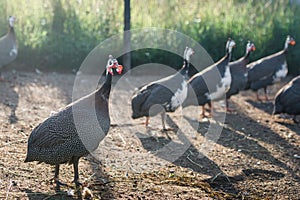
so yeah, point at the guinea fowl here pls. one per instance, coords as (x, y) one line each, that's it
(74, 131)
(211, 83)
(287, 99)
(238, 70)
(268, 70)
(168, 92)
(8, 45)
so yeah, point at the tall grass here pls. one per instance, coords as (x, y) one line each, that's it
(58, 34)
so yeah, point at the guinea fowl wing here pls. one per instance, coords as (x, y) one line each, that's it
(54, 131)
(266, 67)
(291, 94)
(5, 51)
(143, 92)
(159, 92)
(199, 85)
(59, 135)
(140, 97)
(287, 98)
(159, 95)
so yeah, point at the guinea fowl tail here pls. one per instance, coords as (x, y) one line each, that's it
(277, 108)
(27, 159)
(137, 103)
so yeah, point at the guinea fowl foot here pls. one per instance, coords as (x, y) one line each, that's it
(205, 116)
(58, 184)
(258, 98)
(295, 120)
(143, 123)
(146, 123)
(267, 98)
(230, 110)
(262, 100)
(167, 129)
(3, 79)
(77, 184)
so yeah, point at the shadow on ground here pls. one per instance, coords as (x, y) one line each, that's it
(11, 97)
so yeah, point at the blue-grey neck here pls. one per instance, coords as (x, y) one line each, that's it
(106, 87)
(185, 69)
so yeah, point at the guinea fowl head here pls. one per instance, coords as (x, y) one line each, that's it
(112, 64)
(250, 47)
(188, 52)
(11, 20)
(289, 41)
(229, 45)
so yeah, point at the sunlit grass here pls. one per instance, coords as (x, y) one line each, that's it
(62, 32)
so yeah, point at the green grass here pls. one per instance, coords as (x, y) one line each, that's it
(58, 34)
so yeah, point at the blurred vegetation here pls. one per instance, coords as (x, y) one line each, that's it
(58, 34)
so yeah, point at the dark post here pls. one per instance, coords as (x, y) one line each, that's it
(126, 56)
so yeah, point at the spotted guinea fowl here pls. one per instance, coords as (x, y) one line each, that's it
(211, 83)
(168, 93)
(8, 45)
(287, 99)
(238, 70)
(74, 131)
(268, 70)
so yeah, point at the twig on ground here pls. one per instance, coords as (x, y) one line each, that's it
(11, 183)
(221, 173)
(13, 142)
(188, 157)
(50, 196)
(122, 138)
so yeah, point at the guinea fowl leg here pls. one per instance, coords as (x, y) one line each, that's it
(295, 119)
(56, 178)
(2, 79)
(203, 112)
(227, 106)
(228, 109)
(257, 96)
(266, 94)
(202, 116)
(211, 109)
(163, 120)
(147, 121)
(76, 175)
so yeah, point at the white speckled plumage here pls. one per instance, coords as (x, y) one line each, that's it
(74, 131)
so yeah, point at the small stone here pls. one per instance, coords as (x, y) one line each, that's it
(296, 156)
(70, 192)
(87, 193)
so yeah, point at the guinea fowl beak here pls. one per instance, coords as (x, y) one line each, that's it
(253, 48)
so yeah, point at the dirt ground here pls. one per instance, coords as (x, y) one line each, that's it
(254, 157)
